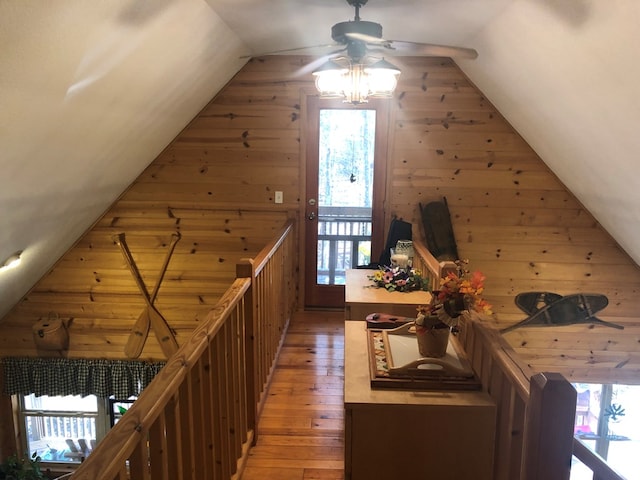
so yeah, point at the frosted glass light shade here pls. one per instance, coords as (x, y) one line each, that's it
(358, 82)
(383, 78)
(330, 79)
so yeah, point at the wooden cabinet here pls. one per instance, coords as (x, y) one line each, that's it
(412, 435)
(361, 300)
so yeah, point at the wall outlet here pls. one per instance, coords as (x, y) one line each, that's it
(279, 198)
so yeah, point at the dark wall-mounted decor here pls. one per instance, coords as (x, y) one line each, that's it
(551, 309)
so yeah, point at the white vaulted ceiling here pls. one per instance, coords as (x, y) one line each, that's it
(91, 92)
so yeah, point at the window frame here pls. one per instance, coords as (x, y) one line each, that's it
(101, 416)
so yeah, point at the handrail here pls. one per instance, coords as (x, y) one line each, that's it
(271, 301)
(530, 441)
(535, 411)
(269, 250)
(427, 264)
(505, 359)
(430, 267)
(109, 458)
(197, 417)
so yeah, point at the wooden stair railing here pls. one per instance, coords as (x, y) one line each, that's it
(272, 298)
(197, 419)
(535, 412)
(429, 266)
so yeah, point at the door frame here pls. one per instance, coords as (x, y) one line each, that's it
(332, 296)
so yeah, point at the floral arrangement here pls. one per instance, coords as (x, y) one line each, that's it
(398, 279)
(459, 291)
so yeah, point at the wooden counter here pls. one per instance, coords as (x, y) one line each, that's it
(412, 435)
(361, 298)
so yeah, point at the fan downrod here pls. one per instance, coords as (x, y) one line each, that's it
(357, 4)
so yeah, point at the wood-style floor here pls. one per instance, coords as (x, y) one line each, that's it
(301, 430)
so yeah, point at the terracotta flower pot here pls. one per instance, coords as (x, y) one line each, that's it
(433, 342)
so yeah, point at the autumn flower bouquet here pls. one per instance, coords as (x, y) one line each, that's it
(459, 291)
(398, 279)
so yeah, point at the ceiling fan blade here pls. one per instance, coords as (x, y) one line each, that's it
(363, 37)
(290, 50)
(316, 63)
(414, 48)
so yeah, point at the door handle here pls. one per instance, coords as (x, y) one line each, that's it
(312, 216)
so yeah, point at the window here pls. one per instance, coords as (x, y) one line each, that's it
(608, 422)
(117, 408)
(67, 429)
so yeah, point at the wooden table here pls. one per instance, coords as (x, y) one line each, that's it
(362, 298)
(412, 435)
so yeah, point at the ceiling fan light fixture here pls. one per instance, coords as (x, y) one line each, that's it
(330, 79)
(383, 78)
(358, 82)
(356, 85)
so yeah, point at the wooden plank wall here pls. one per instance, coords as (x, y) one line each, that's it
(215, 183)
(514, 220)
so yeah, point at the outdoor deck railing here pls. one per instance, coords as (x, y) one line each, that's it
(601, 470)
(344, 241)
(197, 419)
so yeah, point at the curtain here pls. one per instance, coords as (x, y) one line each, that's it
(63, 376)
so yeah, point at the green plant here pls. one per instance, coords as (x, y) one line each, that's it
(21, 468)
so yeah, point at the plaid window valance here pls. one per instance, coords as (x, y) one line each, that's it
(63, 376)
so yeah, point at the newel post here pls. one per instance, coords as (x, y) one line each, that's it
(245, 269)
(549, 425)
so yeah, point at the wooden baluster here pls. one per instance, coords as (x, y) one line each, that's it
(158, 449)
(243, 270)
(139, 460)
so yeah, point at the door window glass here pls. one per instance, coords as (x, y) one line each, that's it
(345, 192)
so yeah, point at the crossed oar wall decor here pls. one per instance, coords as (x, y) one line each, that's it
(150, 317)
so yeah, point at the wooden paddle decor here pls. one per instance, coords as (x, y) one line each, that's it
(150, 317)
(140, 330)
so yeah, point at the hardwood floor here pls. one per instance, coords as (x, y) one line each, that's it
(301, 431)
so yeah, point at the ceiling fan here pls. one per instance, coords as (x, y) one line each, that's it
(358, 75)
(358, 37)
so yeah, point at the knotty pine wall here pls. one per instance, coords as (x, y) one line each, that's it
(215, 184)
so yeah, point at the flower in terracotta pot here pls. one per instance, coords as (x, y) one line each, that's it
(459, 291)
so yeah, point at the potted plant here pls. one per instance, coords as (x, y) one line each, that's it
(21, 468)
(459, 291)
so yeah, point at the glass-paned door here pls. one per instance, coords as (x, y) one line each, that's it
(344, 180)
